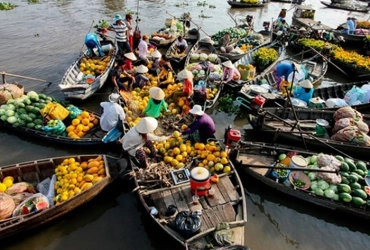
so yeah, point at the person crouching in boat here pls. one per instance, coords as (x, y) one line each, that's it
(156, 57)
(92, 42)
(165, 77)
(303, 91)
(187, 91)
(120, 76)
(156, 103)
(112, 114)
(140, 78)
(203, 125)
(230, 72)
(180, 45)
(283, 70)
(129, 58)
(141, 136)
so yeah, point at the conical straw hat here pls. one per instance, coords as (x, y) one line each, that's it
(228, 64)
(146, 125)
(156, 54)
(156, 93)
(130, 56)
(185, 74)
(141, 69)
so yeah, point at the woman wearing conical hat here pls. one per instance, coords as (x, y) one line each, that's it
(156, 103)
(140, 78)
(230, 72)
(187, 91)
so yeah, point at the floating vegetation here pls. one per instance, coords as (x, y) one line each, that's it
(212, 6)
(33, 1)
(204, 3)
(202, 15)
(181, 4)
(226, 104)
(131, 12)
(7, 6)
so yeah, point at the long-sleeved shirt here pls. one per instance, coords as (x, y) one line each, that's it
(132, 140)
(284, 69)
(351, 26)
(204, 124)
(112, 113)
(91, 42)
(154, 110)
(143, 49)
(230, 73)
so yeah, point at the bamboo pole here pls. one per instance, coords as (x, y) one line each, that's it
(20, 76)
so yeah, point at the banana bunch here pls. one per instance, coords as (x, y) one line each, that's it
(245, 47)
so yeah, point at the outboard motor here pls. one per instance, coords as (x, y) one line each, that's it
(257, 102)
(231, 136)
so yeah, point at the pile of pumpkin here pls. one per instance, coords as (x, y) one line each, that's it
(94, 67)
(74, 177)
(81, 125)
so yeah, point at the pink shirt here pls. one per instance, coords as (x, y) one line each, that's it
(230, 73)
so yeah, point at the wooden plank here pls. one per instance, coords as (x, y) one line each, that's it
(212, 217)
(203, 202)
(252, 159)
(219, 212)
(206, 223)
(233, 194)
(167, 198)
(159, 204)
(223, 191)
(217, 198)
(189, 200)
(228, 212)
(180, 201)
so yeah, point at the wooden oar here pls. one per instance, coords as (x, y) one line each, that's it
(289, 168)
(25, 77)
(328, 60)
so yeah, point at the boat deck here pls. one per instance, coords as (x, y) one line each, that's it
(216, 209)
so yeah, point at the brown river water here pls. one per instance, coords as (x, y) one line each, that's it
(42, 40)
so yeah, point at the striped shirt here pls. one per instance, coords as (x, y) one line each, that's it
(120, 30)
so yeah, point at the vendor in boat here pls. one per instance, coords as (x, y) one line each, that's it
(165, 77)
(140, 78)
(282, 25)
(143, 50)
(164, 61)
(203, 124)
(156, 103)
(187, 77)
(129, 58)
(282, 14)
(156, 58)
(92, 42)
(122, 34)
(224, 43)
(141, 136)
(283, 70)
(180, 45)
(128, 22)
(112, 114)
(301, 33)
(351, 25)
(230, 72)
(120, 76)
(303, 91)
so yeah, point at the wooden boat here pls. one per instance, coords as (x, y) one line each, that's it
(162, 39)
(228, 205)
(200, 97)
(191, 37)
(355, 72)
(75, 85)
(35, 172)
(316, 67)
(252, 158)
(238, 4)
(248, 59)
(280, 122)
(350, 39)
(349, 7)
(92, 138)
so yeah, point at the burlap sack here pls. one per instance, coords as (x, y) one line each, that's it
(10, 91)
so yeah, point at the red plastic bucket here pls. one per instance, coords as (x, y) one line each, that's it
(200, 181)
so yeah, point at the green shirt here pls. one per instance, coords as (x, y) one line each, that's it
(154, 110)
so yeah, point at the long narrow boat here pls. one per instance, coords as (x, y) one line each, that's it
(352, 70)
(162, 39)
(211, 79)
(34, 172)
(257, 159)
(349, 7)
(281, 123)
(239, 4)
(316, 67)
(191, 37)
(248, 59)
(227, 205)
(78, 85)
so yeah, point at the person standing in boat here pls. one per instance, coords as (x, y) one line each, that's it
(122, 34)
(92, 42)
(128, 22)
(141, 136)
(156, 103)
(303, 91)
(120, 76)
(143, 49)
(112, 114)
(203, 125)
(224, 43)
(180, 45)
(282, 14)
(230, 72)
(187, 91)
(140, 78)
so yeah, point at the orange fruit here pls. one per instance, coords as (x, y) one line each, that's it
(85, 121)
(85, 114)
(91, 125)
(75, 122)
(70, 128)
(95, 121)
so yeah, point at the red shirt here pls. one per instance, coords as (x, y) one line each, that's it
(128, 64)
(188, 86)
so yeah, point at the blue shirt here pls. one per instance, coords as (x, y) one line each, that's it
(284, 69)
(301, 94)
(351, 25)
(91, 42)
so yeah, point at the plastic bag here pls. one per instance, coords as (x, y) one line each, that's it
(366, 88)
(30, 205)
(347, 112)
(6, 206)
(355, 94)
(188, 223)
(352, 134)
(73, 111)
(54, 111)
(345, 122)
(55, 127)
(10, 91)
(46, 187)
(335, 103)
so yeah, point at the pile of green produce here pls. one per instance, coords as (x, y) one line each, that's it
(234, 33)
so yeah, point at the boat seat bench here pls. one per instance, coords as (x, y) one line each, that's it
(218, 208)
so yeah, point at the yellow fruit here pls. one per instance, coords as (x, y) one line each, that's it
(75, 122)
(97, 179)
(2, 187)
(227, 169)
(9, 178)
(85, 114)
(8, 182)
(176, 134)
(93, 163)
(184, 127)
(201, 146)
(179, 157)
(174, 162)
(101, 172)
(93, 170)
(71, 160)
(88, 177)
(210, 157)
(224, 160)
(86, 186)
